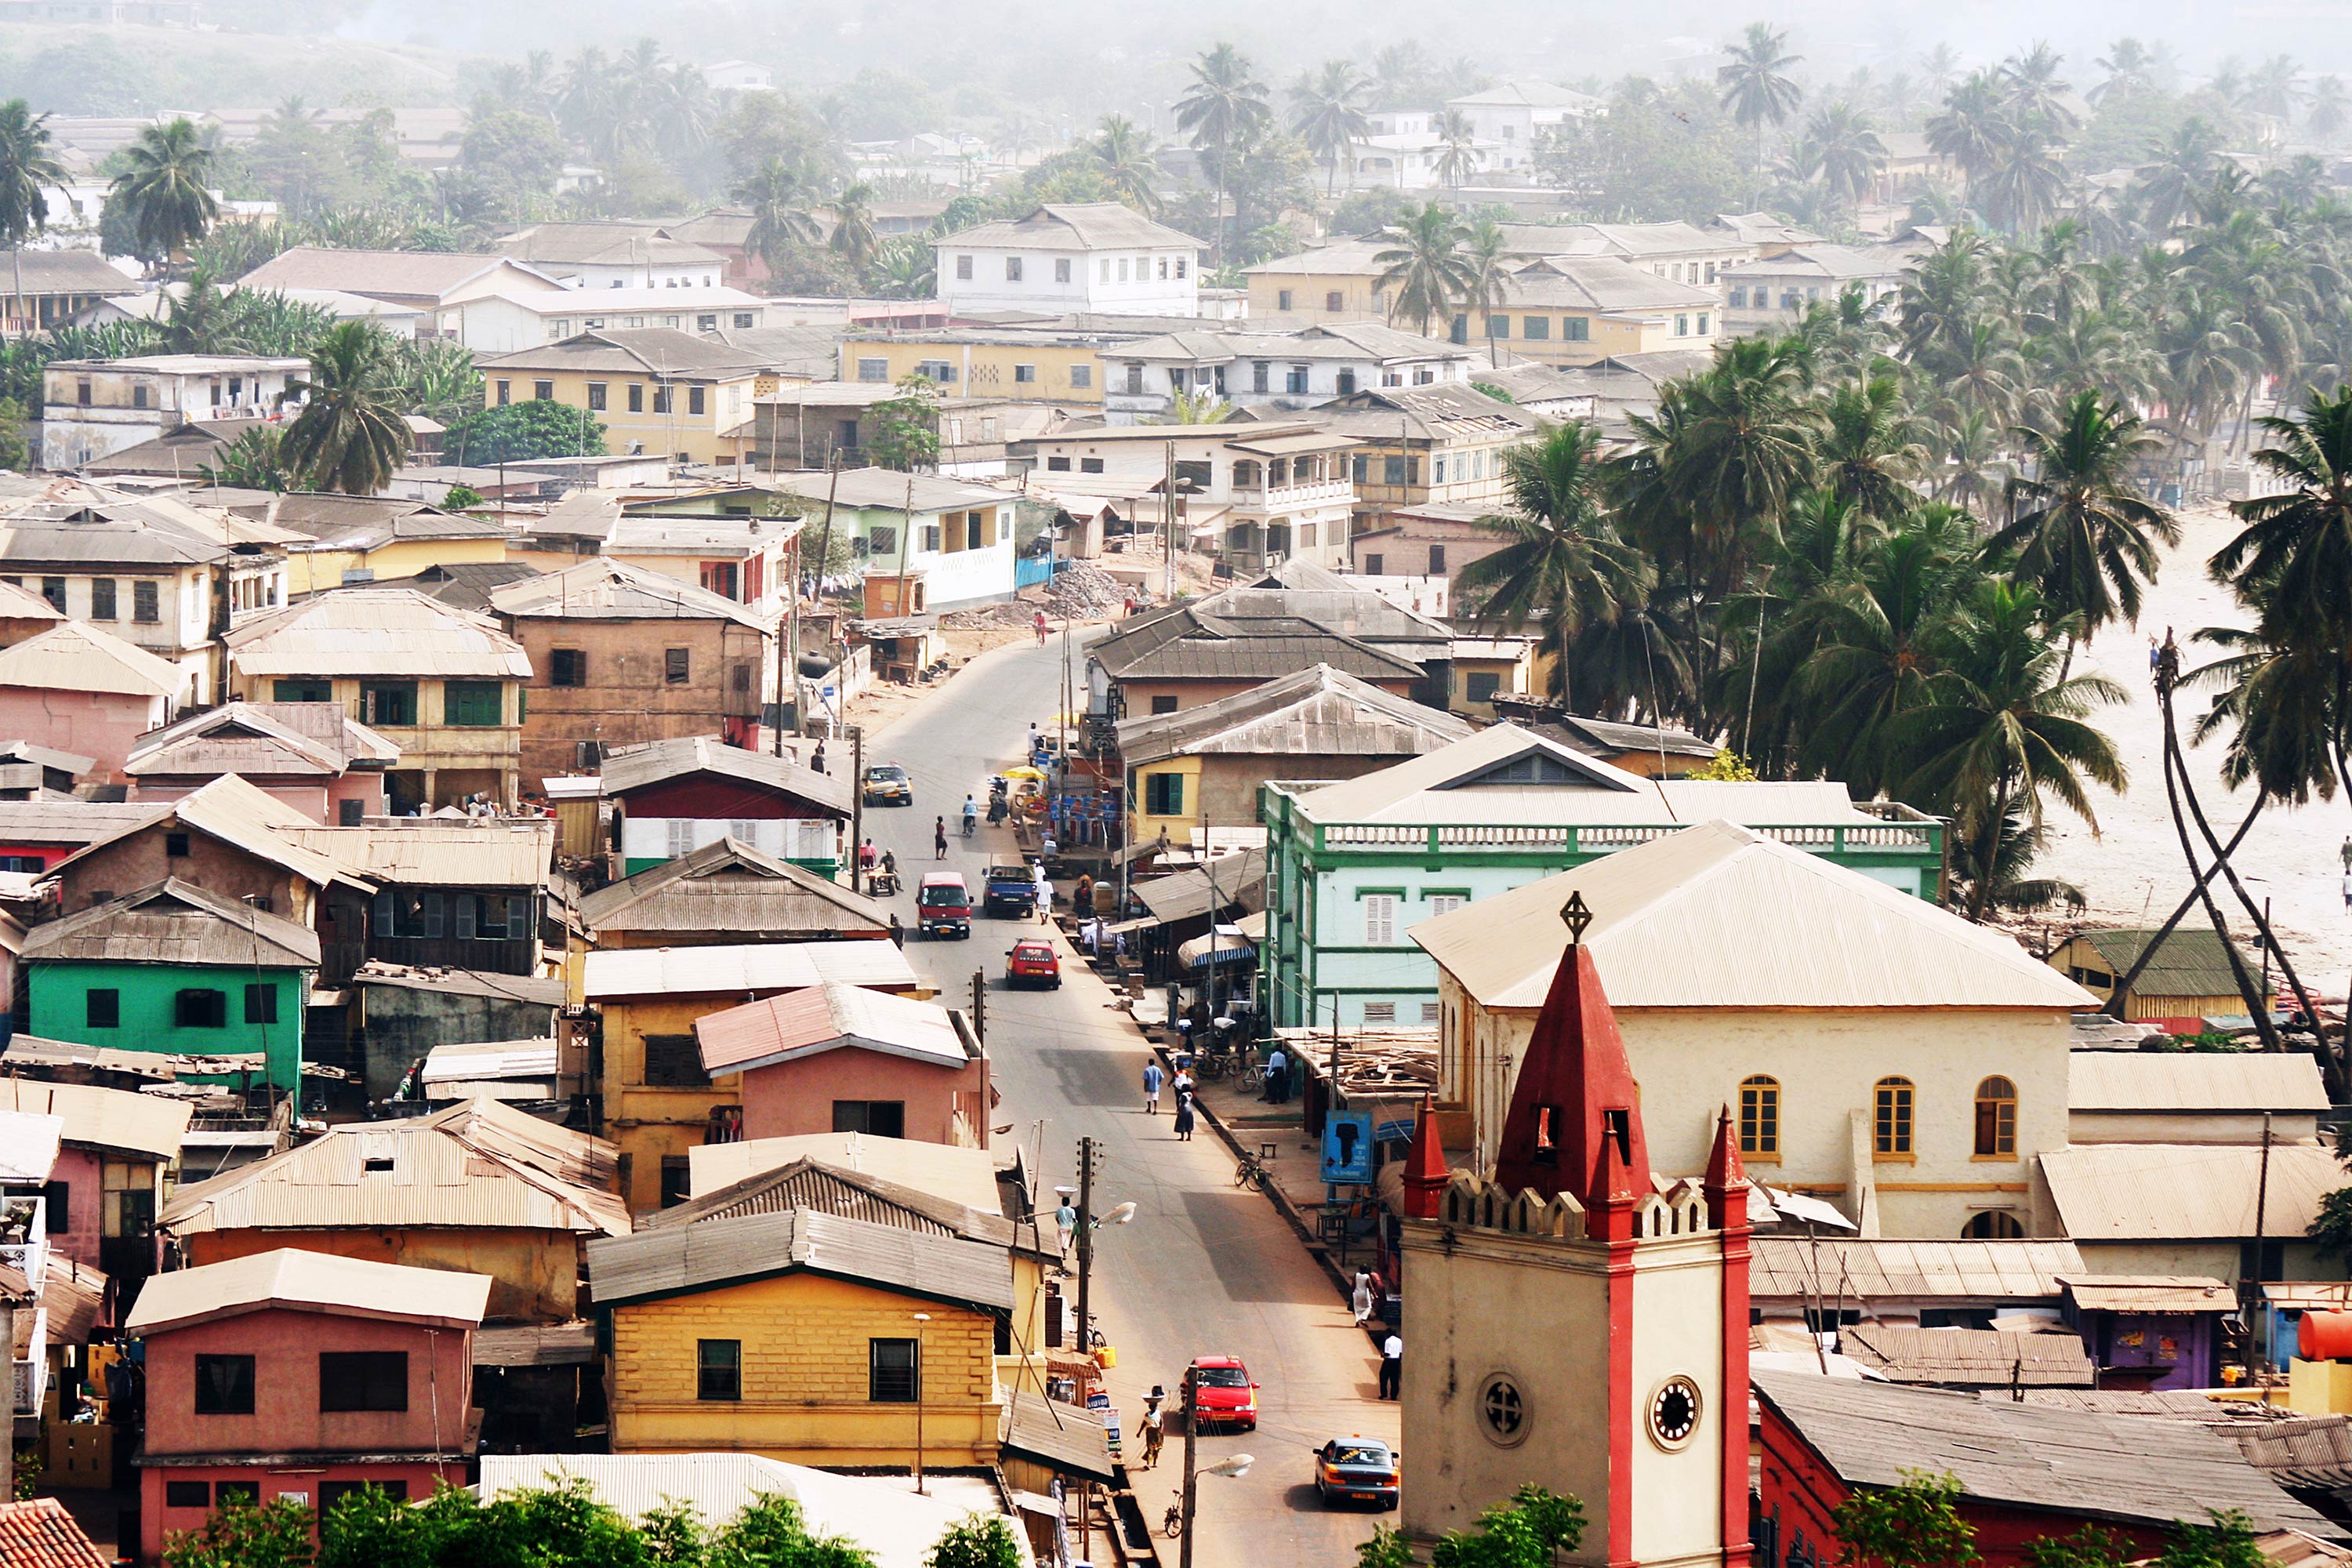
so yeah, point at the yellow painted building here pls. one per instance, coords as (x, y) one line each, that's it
(653, 389)
(1333, 282)
(1033, 367)
(804, 1336)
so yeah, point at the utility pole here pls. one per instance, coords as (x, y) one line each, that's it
(2253, 1294)
(1191, 1473)
(1167, 515)
(856, 806)
(980, 1005)
(1086, 1161)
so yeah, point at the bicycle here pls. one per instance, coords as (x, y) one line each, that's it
(1173, 1525)
(1252, 1173)
(1212, 1068)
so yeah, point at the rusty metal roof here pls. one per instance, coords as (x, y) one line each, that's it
(174, 921)
(732, 887)
(605, 589)
(103, 1117)
(810, 1183)
(77, 657)
(313, 739)
(719, 1252)
(660, 761)
(1788, 1268)
(304, 1280)
(2179, 1192)
(537, 1345)
(2149, 1292)
(1969, 1358)
(251, 819)
(395, 632)
(435, 852)
(477, 1165)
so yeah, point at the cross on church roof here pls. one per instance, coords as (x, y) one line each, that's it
(1575, 916)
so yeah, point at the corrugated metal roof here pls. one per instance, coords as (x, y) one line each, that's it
(2179, 1192)
(477, 1165)
(489, 1059)
(77, 822)
(302, 1280)
(2191, 963)
(1079, 226)
(1248, 653)
(1838, 938)
(476, 853)
(1976, 1358)
(604, 589)
(717, 1252)
(729, 886)
(810, 1183)
(28, 1145)
(397, 274)
(77, 657)
(2072, 1462)
(1073, 1441)
(251, 819)
(1230, 880)
(537, 1345)
(1787, 1268)
(174, 921)
(820, 1019)
(1442, 785)
(2149, 1292)
(881, 1516)
(748, 970)
(530, 989)
(105, 1118)
(965, 1176)
(17, 603)
(249, 738)
(391, 632)
(2194, 1082)
(658, 762)
(887, 489)
(1315, 712)
(660, 352)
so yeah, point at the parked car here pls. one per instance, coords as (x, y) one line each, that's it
(1033, 960)
(1222, 1394)
(1009, 891)
(943, 905)
(887, 784)
(1357, 1470)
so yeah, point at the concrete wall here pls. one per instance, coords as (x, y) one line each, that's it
(534, 1273)
(299, 1481)
(401, 1022)
(143, 858)
(804, 1364)
(627, 699)
(101, 725)
(1121, 283)
(944, 1105)
(1232, 786)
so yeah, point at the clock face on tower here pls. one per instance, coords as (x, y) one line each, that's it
(1673, 1413)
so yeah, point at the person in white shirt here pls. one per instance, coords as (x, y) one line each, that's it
(1391, 1365)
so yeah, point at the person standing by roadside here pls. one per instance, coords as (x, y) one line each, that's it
(1044, 896)
(1391, 1365)
(1152, 1079)
(939, 838)
(1184, 1114)
(1363, 1297)
(1065, 1221)
(1040, 629)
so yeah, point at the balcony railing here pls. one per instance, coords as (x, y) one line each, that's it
(1295, 492)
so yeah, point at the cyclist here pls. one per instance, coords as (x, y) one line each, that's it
(971, 817)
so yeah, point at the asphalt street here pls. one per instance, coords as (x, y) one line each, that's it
(1204, 1268)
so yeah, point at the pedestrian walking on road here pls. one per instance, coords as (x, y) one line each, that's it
(1277, 1068)
(1152, 1079)
(939, 838)
(1363, 1297)
(1184, 1115)
(1040, 629)
(1154, 1428)
(1065, 1220)
(1391, 1366)
(1044, 896)
(2345, 854)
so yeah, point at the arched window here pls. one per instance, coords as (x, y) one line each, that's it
(1993, 1225)
(1760, 1117)
(1996, 1118)
(1891, 1118)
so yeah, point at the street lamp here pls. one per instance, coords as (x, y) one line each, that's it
(920, 1319)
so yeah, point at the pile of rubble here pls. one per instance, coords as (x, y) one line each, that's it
(1082, 591)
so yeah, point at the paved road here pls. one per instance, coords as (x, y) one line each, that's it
(1205, 1270)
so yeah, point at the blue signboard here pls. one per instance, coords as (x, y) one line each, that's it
(1346, 1148)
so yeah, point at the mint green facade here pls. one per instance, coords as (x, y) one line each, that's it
(146, 1003)
(1329, 960)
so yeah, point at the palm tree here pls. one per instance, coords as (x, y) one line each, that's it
(1487, 250)
(350, 436)
(2274, 86)
(779, 197)
(1458, 157)
(254, 459)
(1424, 271)
(1874, 653)
(1938, 65)
(2036, 92)
(2080, 530)
(1757, 88)
(1326, 110)
(203, 319)
(1851, 154)
(2126, 63)
(1564, 563)
(1124, 153)
(1872, 449)
(2327, 109)
(2002, 729)
(906, 267)
(163, 188)
(1975, 127)
(1224, 108)
(1189, 406)
(2023, 192)
(27, 170)
(854, 239)
(2169, 182)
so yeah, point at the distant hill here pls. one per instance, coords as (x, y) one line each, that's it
(79, 70)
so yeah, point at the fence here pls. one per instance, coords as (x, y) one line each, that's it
(1034, 570)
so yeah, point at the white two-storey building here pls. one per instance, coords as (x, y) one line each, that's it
(1090, 256)
(1288, 370)
(95, 408)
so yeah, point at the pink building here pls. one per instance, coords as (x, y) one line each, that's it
(77, 689)
(302, 1375)
(108, 1183)
(841, 1058)
(310, 755)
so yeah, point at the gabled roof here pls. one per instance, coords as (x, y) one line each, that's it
(477, 1165)
(1190, 641)
(810, 1182)
(103, 1117)
(794, 1024)
(2179, 1191)
(238, 813)
(1441, 411)
(77, 657)
(424, 853)
(603, 589)
(729, 886)
(1831, 263)
(1525, 92)
(1467, 762)
(748, 970)
(1839, 937)
(679, 1259)
(2191, 963)
(661, 351)
(1317, 713)
(267, 738)
(2194, 1083)
(885, 489)
(305, 1281)
(95, 531)
(23, 604)
(382, 274)
(341, 522)
(658, 762)
(590, 244)
(1599, 283)
(1073, 226)
(391, 632)
(1223, 882)
(61, 272)
(959, 1176)
(175, 922)
(38, 1533)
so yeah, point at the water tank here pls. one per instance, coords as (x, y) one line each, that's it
(2324, 1336)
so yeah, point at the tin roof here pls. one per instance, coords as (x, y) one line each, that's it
(477, 1165)
(2194, 1083)
(305, 1281)
(29, 1152)
(663, 352)
(530, 989)
(311, 740)
(2070, 1463)
(2178, 1192)
(381, 274)
(1318, 711)
(102, 1118)
(75, 657)
(603, 589)
(2149, 1292)
(77, 822)
(796, 1025)
(537, 1345)
(1980, 1358)
(1072, 226)
(391, 631)
(1229, 879)
(19, 603)
(674, 1259)
(729, 886)
(174, 921)
(744, 969)
(436, 852)
(658, 762)
(810, 1183)
(965, 1176)
(251, 819)
(1791, 1268)
(1840, 938)
(1073, 1441)
(2191, 963)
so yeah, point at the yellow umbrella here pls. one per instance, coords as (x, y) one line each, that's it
(1025, 773)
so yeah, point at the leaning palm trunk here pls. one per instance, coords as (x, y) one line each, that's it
(2113, 1006)
(2256, 1005)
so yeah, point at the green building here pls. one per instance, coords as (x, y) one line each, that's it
(178, 969)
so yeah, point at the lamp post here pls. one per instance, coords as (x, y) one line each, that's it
(920, 1319)
(1232, 1468)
